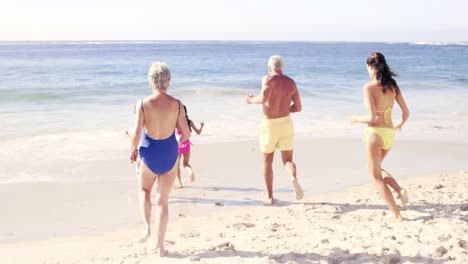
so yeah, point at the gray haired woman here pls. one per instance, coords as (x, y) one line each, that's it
(155, 145)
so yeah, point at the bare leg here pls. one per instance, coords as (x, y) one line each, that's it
(374, 147)
(268, 174)
(179, 181)
(188, 167)
(390, 181)
(146, 179)
(165, 183)
(290, 166)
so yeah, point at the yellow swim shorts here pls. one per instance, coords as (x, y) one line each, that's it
(277, 133)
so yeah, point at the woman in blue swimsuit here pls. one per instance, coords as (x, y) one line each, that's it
(155, 145)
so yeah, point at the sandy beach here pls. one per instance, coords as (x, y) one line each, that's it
(220, 219)
(79, 81)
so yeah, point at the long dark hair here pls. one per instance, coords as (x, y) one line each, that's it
(188, 120)
(383, 73)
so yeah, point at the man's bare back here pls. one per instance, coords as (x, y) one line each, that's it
(278, 93)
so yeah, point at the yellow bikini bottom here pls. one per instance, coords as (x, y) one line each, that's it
(386, 134)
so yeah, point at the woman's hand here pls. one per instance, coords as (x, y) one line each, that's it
(133, 155)
(398, 127)
(202, 124)
(354, 120)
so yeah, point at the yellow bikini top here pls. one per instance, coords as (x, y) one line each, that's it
(387, 114)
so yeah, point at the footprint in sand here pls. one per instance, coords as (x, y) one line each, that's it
(274, 227)
(242, 226)
(462, 243)
(291, 212)
(224, 246)
(194, 258)
(189, 235)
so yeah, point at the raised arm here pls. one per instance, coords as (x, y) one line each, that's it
(260, 98)
(371, 116)
(194, 127)
(404, 109)
(182, 124)
(136, 135)
(296, 99)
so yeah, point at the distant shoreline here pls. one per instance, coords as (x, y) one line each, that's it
(435, 43)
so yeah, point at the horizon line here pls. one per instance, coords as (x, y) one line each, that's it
(233, 40)
(245, 41)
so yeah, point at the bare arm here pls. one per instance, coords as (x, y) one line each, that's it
(371, 116)
(260, 98)
(182, 124)
(136, 135)
(194, 127)
(297, 105)
(405, 112)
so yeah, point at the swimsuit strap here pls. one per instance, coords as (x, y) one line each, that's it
(383, 111)
(178, 108)
(387, 114)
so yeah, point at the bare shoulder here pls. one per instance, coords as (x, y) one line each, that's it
(288, 78)
(267, 79)
(291, 83)
(370, 87)
(171, 98)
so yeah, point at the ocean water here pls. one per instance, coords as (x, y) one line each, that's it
(68, 102)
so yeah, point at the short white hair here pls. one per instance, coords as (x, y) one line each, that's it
(276, 62)
(159, 75)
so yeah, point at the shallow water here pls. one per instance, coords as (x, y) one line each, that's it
(66, 102)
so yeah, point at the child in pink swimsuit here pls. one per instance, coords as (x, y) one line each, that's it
(184, 147)
(184, 150)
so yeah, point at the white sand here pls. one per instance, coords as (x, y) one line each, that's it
(97, 222)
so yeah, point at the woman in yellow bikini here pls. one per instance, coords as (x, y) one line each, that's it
(379, 96)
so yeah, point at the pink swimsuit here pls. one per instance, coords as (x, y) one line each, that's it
(184, 147)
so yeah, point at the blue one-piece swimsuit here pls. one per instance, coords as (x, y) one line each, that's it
(159, 155)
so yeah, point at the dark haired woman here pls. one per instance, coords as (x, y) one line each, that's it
(184, 150)
(379, 96)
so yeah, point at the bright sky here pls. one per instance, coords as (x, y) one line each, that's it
(311, 20)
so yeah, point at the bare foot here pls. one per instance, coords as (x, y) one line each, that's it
(395, 219)
(178, 185)
(267, 200)
(160, 249)
(297, 188)
(144, 237)
(163, 252)
(192, 174)
(403, 196)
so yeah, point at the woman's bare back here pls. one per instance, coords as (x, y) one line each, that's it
(383, 103)
(161, 112)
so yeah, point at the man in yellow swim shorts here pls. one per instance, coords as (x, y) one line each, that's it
(279, 97)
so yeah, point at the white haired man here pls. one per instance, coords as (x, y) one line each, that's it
(276, 130)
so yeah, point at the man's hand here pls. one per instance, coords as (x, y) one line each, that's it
(248, 98)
